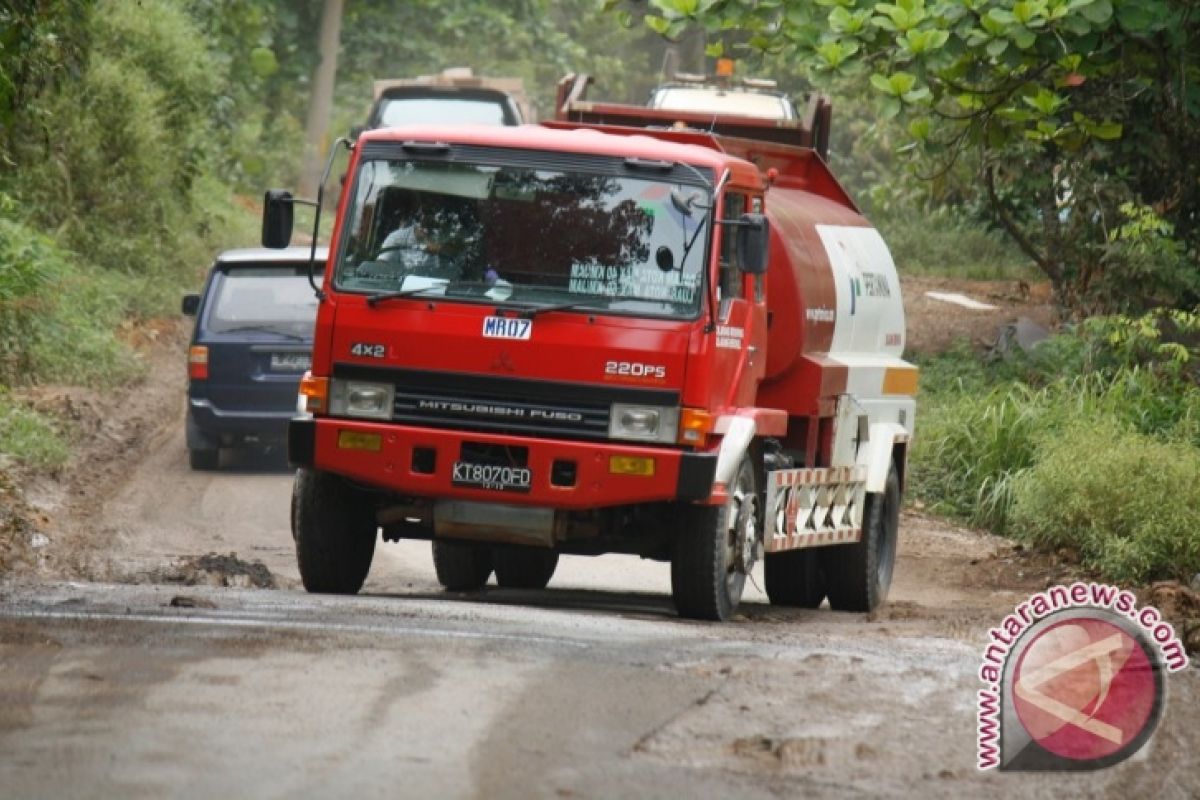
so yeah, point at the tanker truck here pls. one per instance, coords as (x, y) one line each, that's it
(625, 330)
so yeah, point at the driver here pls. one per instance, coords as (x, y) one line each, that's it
(410, 243)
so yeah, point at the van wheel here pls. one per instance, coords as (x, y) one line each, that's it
(859, 575)
(524, 568)
(334, 527)
(461, 567)
(794, 578)
(204, 460)
(711, 547)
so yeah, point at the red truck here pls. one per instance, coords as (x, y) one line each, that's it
(628, 330)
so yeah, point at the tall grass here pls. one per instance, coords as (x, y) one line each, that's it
(1104, 459)
(1131, 508)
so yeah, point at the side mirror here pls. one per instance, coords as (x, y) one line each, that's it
(277, 219)
(190, 304)
(753, 239)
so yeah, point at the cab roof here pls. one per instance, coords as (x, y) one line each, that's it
(267, 255)
(637, 144)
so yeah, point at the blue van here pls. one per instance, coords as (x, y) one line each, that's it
(251, 346)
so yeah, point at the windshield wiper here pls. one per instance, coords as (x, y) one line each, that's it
(379, 297)
(263, 329)
(452, 289)
(529, 312)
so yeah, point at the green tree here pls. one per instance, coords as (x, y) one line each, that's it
(1079, 116)
(42, 44)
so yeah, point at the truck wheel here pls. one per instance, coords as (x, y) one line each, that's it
(204, 459)
(334, 527)
(524, 568)
(707, 572)
(794, 578)
(461, 567)
(859, 575)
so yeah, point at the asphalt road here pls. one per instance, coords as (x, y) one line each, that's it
(134, 684)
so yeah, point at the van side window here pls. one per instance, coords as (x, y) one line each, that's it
(731, 277)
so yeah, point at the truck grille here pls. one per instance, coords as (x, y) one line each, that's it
(503, 405)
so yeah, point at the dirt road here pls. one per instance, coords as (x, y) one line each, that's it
(141, 659)
(590, 689)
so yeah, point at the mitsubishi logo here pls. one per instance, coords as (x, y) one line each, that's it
(503, 363)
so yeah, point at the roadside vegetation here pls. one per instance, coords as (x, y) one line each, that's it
(1066, 126)
(1089, 445)
(109, 206)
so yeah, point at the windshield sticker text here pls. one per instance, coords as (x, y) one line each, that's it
(631, 282)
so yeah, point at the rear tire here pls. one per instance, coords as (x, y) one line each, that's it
(524, 567)
(204, 460)
(461, 567)
(707, 578)
(794, 578)
(859, 575)
(335, 530)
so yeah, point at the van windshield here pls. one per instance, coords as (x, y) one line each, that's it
(525, 236)
(266, 299)
(440, 111)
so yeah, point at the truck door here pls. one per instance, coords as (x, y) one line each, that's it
(741, 314)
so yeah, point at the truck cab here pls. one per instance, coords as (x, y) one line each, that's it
(749, 97)
(453, 96)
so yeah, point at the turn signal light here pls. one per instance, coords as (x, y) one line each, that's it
(315, 392)
(631, 465)
(694, 425)
(198, 363)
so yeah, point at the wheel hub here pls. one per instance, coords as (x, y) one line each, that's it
(743, 533)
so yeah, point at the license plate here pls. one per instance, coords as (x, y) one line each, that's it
(491, 476)
(507, 328)
(290, 362)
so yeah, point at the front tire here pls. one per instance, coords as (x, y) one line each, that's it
(524, 567)
(335, 530)
(461, 567)
(707, 572)
(859, 575)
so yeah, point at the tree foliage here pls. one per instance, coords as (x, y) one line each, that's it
(42, 43)
(1069, 111)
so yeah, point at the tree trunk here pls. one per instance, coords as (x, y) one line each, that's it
(316, 129)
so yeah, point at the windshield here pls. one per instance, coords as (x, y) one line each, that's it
(440, 111)
(272, 299)
(525, 236)
(720, 101)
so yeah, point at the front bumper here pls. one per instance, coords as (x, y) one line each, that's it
(677, 475)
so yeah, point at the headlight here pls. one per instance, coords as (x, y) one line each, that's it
(643, 423)
(361, 399)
